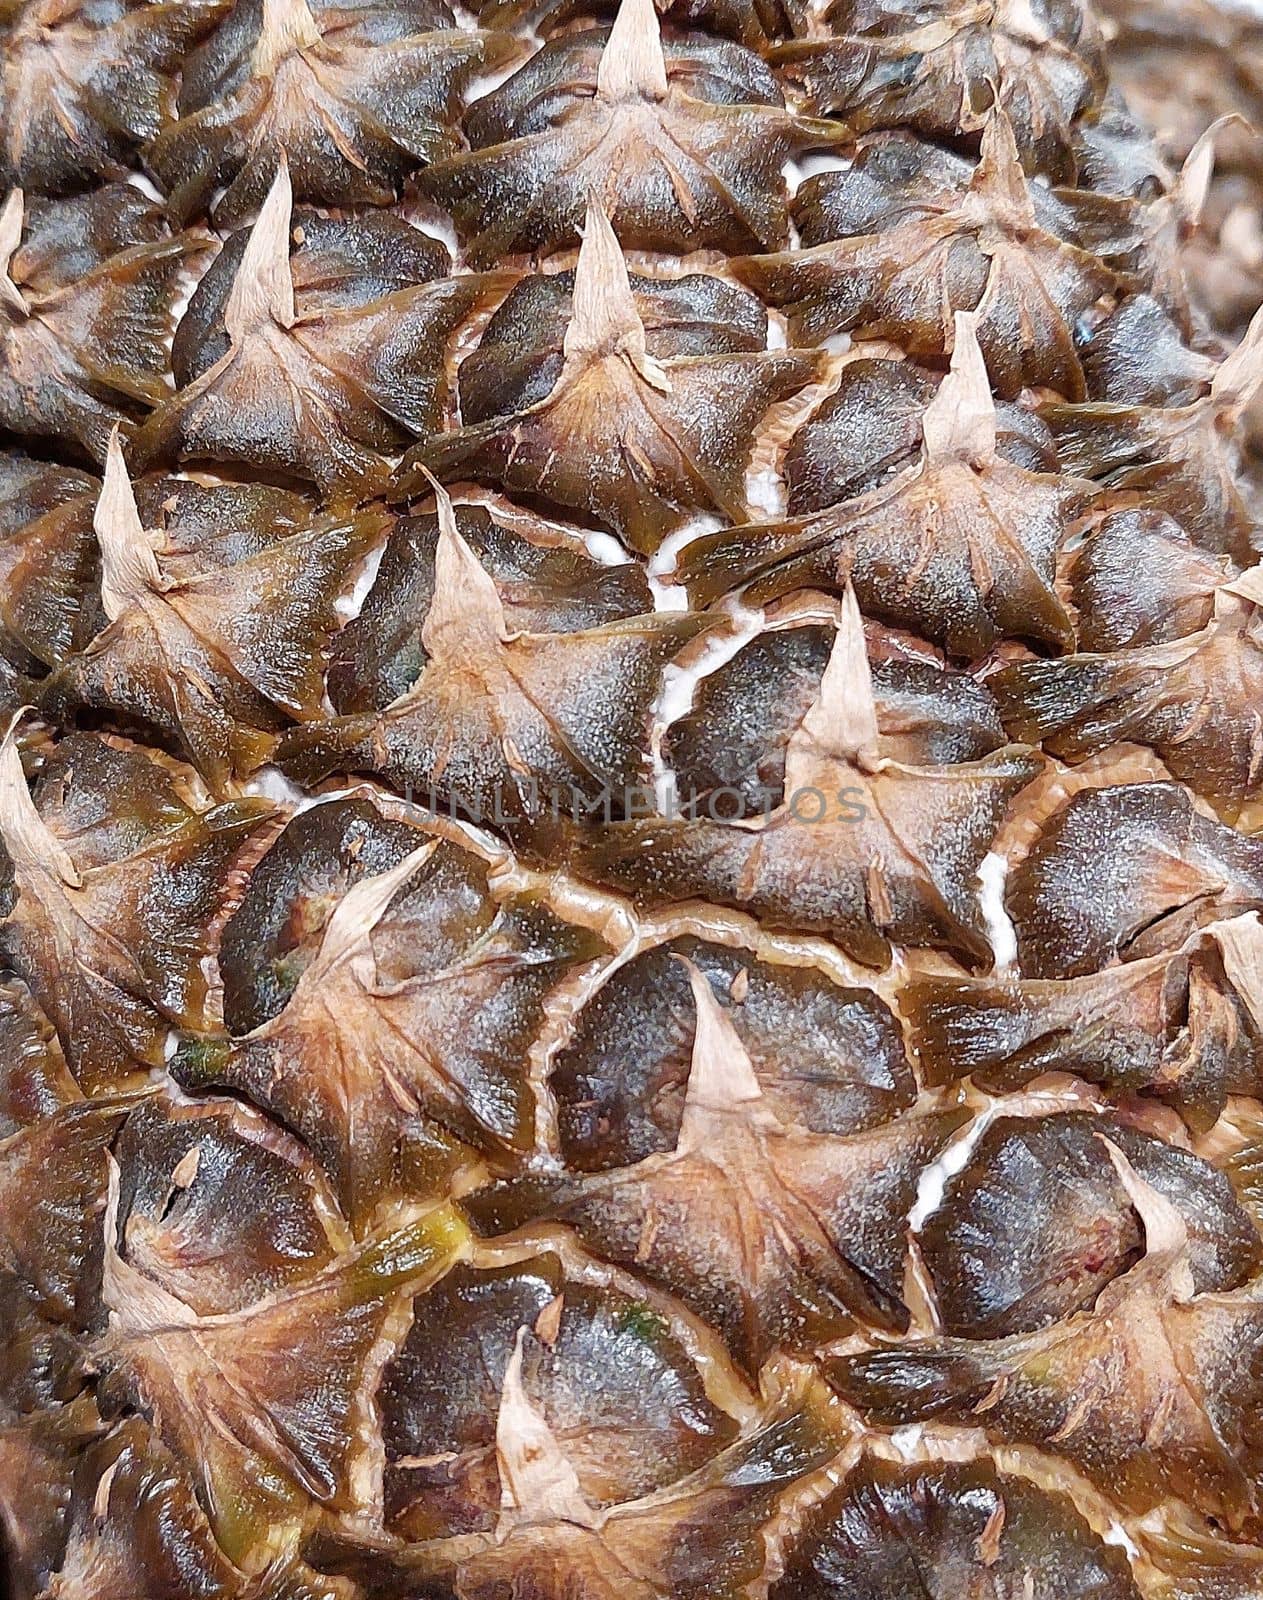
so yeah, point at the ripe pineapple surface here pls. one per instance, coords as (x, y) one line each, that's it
(632, 648)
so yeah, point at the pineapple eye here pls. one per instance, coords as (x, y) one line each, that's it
(83, 334)
(1064, 1226)
(357, 96)
(887, 1525)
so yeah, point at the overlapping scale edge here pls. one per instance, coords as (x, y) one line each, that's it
(408, 1216)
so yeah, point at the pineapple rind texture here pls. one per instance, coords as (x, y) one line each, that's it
(631, 658)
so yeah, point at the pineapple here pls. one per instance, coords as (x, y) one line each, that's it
(630, 957)
(1191, 70)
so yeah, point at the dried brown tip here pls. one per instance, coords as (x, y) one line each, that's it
(288, 26)
(999, 173)
(537, 1482)
(842, 720)
(129, 566)
(103, 1492)
(632, 65)
(1238, 379)
(263, 290)
(1166, 1232)
(11, 217)
(960, 420)
(466, 602)
(1192, 187)
(184, 1173)
(136, 1303)
(1240, 941)
(722, 1079)
(1247, 585)
(361, 909)
(33, 849)
(604, 320)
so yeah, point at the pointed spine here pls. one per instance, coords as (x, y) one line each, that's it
(1192, 187)
(537, 1482)
(263, 290)
(11, 217)
(466, 604)
(288, 26)
(841, 722)
(1240, 942)
(1237, 382)
(605, 320)
(960, 420)
(632, 65)
(1247, 585)
(722, 1080)
(129, 565)
(137, 1305)
(359, 911)
(36, 853)
(1166, 1232)
(999, 174)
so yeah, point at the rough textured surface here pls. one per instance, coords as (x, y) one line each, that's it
(632, 666)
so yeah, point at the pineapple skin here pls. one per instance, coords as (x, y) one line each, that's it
(632, 650)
